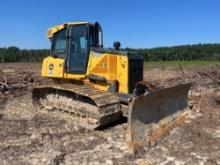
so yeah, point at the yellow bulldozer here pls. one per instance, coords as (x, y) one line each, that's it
(98, 86)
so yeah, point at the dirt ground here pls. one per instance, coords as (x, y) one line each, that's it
(36, 137)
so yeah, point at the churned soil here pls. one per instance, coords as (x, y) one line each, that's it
(28, 136)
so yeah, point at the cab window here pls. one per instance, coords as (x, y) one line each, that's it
(59, 45)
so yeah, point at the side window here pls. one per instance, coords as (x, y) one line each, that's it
(93, 36)
(78, 49)
(60, 44)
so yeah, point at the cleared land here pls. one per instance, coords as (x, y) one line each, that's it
(34, 137)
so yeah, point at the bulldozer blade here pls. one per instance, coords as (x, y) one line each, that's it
(152, 115)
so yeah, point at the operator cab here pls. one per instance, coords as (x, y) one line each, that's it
(73, 44)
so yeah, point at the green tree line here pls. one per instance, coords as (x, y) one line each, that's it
(184, 52)
(14, 54)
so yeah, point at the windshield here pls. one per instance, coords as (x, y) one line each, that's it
(59, 44)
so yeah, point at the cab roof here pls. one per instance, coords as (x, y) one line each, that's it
(51, 31)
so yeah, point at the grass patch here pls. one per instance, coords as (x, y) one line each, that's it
(175, 64)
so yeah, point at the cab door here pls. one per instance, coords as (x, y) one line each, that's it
(78, 51)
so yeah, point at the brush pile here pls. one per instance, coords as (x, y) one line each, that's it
(15, 83)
